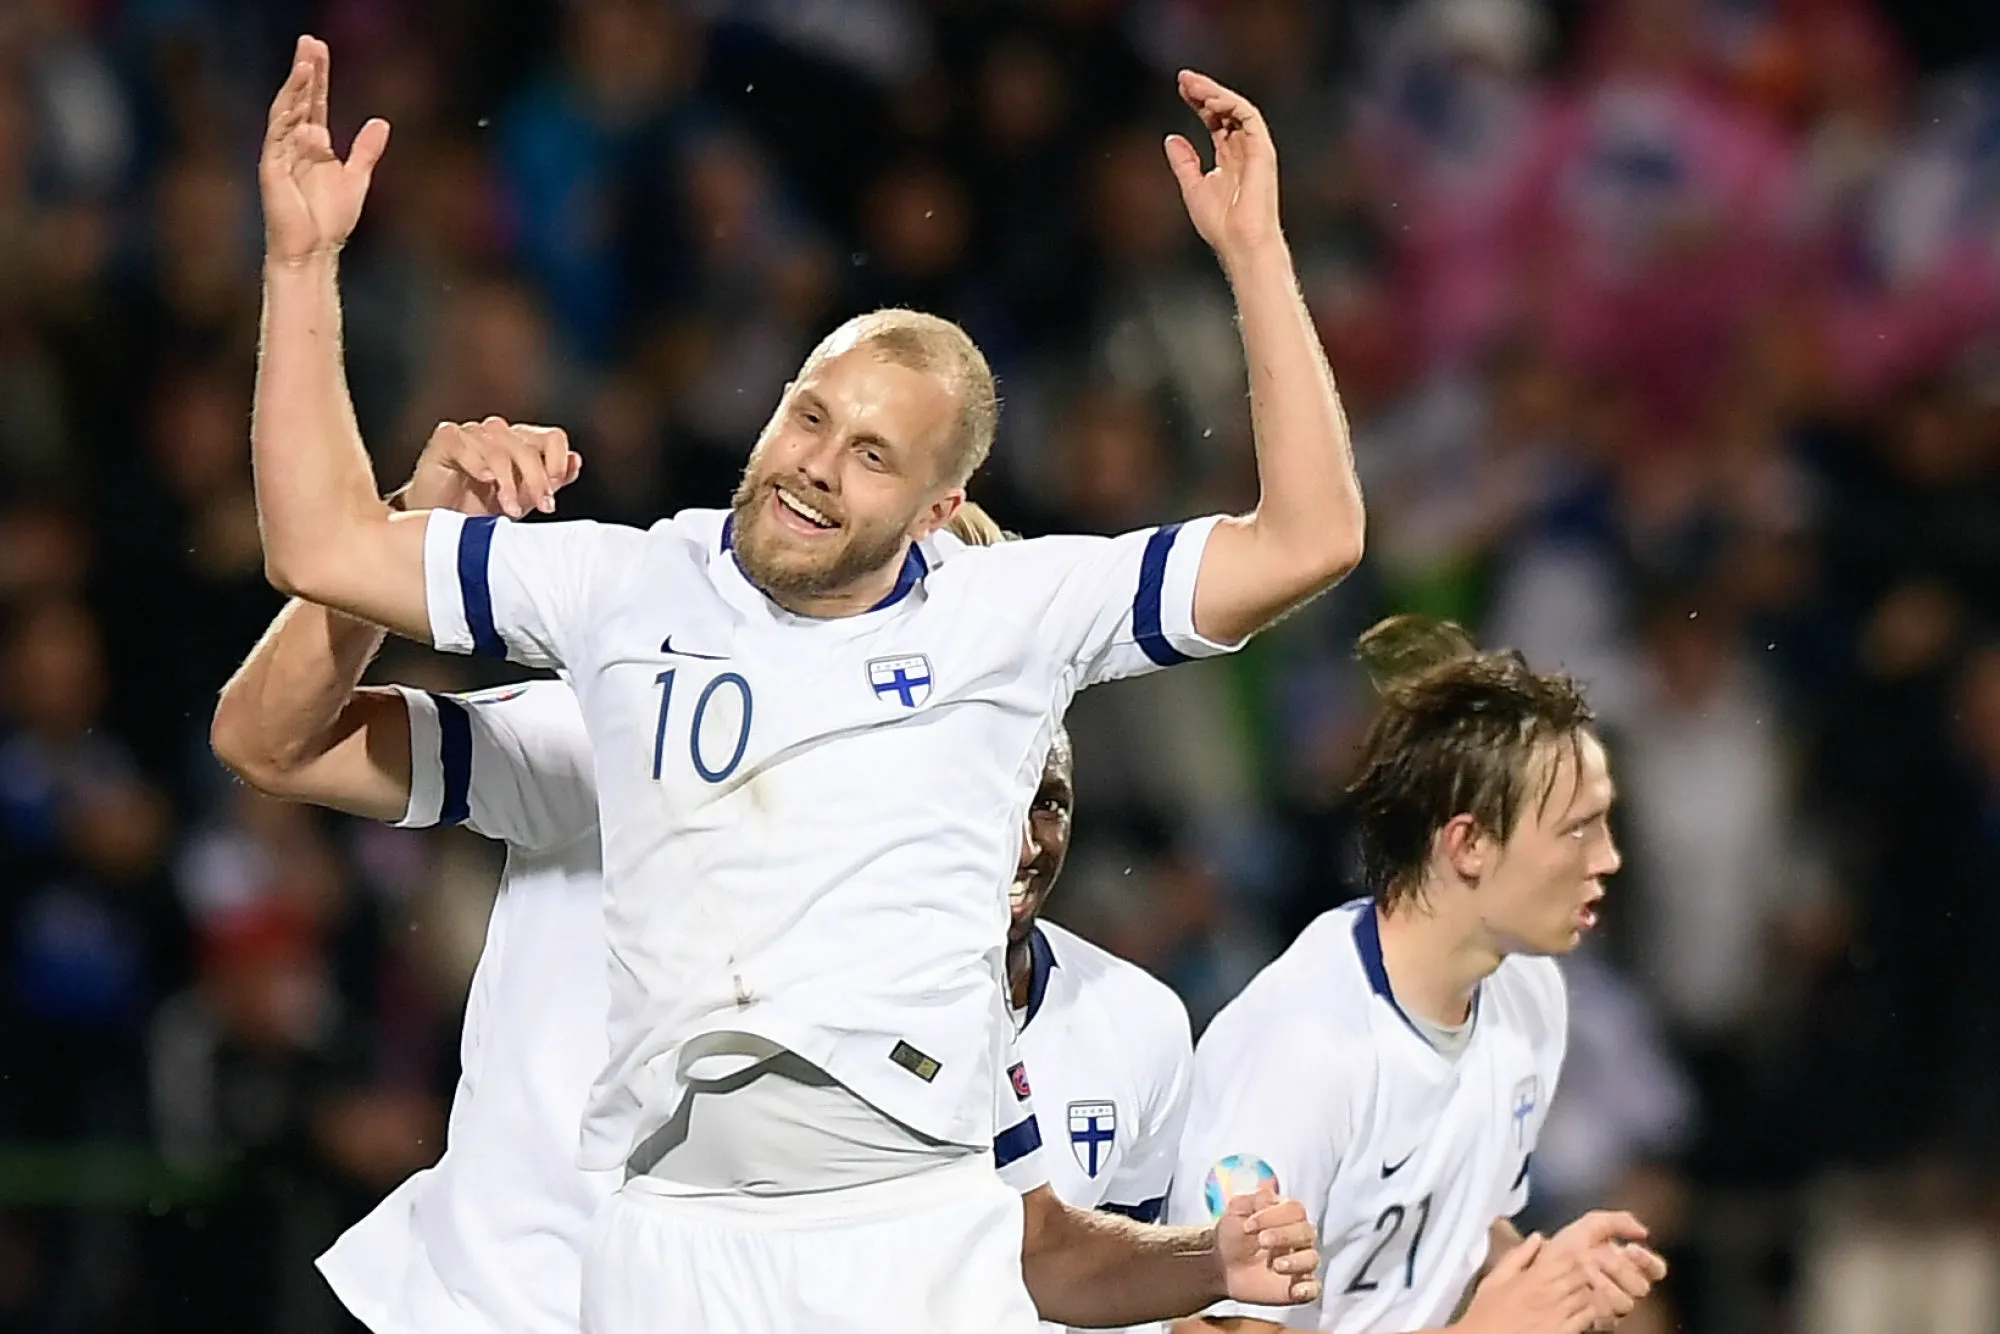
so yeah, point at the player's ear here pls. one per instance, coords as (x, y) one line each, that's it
(937, 514)
(1464, 845)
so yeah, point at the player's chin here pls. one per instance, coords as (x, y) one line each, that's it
(1565, 939)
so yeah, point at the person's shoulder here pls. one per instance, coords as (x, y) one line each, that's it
(1137, 1002)
(1305, 995)
(1536, 994)
(690, 532)
(996, 565)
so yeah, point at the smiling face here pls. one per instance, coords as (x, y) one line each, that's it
(1537, 892)
(850, 470)
(1044, 839)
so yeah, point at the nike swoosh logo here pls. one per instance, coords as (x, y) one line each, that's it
(667, 646)
(1389, 1171)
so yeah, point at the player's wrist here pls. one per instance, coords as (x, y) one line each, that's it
(1218, 1264)
(1262, 257)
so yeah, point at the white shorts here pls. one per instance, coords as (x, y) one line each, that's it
(934, 1253)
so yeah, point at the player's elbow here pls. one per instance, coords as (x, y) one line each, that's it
(1044, 1224)
(324, 564)
(1320, 554)
(248, 750)
(296, 575)
(1337, 554)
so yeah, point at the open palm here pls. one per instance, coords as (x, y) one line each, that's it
(1234, 205)
(312, 199)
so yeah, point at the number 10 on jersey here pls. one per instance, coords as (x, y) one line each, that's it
(698, 755)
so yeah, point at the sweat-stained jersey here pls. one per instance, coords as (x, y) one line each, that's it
(809, 825)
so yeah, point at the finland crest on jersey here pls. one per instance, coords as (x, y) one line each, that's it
(905, 680)
(1093, 1127)
(1524, 1104)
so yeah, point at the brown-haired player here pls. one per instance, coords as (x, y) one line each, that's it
(1418, 1033)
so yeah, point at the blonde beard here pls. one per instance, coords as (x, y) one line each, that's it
(855, 559)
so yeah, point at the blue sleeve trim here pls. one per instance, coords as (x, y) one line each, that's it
(475, 546)
(1146, 629)
(1016, 1143)
(455, 757)
(1146, 1212)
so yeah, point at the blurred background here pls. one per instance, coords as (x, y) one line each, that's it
(1670, 335)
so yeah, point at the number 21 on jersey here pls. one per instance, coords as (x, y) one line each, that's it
(705, 745)
(1387, 1229)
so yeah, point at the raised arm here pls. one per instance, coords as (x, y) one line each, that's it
(328, 536)
(293, 722)
(1307, 530)
(1097, 1269)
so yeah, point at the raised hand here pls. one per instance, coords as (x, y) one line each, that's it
(311, 198)
(1620, 1270)
(1533, 1290)
(492, 467)
(1268, 1250)
(1234, 205)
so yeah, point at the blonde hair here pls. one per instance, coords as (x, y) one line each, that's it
(935, 346)
(972, 525)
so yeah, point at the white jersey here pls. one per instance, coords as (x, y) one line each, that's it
(809, 825)
(488, 1239)
(1403, 1156)
(1109, 1047)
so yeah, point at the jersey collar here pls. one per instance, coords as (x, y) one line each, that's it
(915, 567)
(1041, 962)
(1368, 944)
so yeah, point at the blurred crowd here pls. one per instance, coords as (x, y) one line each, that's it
(1669, 331)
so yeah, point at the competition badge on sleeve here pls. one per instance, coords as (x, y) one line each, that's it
(1238, 1174)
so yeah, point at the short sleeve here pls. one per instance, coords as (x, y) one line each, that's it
(1017, 1136)
(523, 591)
(1241, 1126)
(1111, 606)
(1139, 1187)
(513, 764)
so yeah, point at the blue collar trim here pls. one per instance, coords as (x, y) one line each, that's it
(915, 567)
(1368, 943)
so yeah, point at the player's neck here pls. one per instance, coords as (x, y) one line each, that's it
(1434, 963)
(1020, 972)
(862, 595)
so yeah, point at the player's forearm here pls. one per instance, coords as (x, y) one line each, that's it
(315, 485)
(328, 536)
(293, 722)
(278, 712)
(1309, 524)
(1099, 1270)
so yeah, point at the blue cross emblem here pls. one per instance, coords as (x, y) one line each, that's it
(1092, 1128)
(906, 679)
(1525, 1095)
